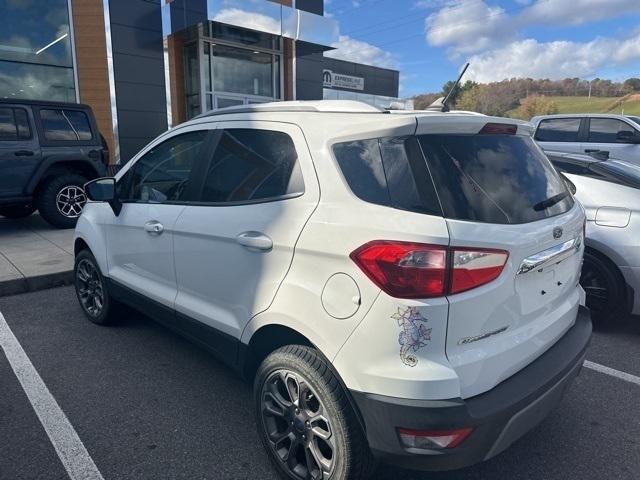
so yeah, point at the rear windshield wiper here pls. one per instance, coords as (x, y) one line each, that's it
(550, 202)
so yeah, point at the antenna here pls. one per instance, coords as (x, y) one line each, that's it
(441, 104)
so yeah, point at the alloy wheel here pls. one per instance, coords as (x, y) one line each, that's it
(297, 426)
(70, 201)
(90, 288)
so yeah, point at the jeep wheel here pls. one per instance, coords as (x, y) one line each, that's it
(305, 420)
(61, 199)
(17, 211)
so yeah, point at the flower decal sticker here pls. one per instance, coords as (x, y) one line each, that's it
(414, 334)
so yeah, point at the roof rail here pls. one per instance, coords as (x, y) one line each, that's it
(333, 106)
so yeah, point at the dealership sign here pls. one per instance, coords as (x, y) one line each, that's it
(331, 79)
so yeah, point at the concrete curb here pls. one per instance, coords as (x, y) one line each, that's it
(38, 282)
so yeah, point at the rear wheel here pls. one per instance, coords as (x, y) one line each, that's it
(305, 420)
(17, 211)
(61, 199)
(604, 286)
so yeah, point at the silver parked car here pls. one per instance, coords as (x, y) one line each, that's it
(609, 190)
(587, 133)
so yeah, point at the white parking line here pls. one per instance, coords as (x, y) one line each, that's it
(612, 372)
(73, 455)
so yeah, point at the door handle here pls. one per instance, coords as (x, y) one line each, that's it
(591, 150)
(23, 153)
(255, 240)
(154, 227)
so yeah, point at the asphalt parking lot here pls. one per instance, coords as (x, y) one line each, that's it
(146, 404)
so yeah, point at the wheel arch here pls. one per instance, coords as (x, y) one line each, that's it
(59, 165)
(87, 236)
(265, 340)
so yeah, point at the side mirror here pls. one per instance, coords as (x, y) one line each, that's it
(104, 190)
(627, 136)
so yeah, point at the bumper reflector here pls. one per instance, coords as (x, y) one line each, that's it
(430, 439)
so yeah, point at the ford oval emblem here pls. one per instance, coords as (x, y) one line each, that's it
(557, 232)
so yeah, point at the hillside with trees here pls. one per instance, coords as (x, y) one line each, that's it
(526, 97)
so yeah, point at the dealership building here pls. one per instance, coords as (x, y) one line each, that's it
(147, 65)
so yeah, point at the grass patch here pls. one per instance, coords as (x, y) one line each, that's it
(629, 105)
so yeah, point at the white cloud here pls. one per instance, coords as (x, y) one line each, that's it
(549, 12)
(254, 21)
(353, 50)
(468, 26)
(554, 60)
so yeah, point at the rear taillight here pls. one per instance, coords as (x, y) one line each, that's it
(405, 270)
(416, 270)
(472, 268)
(430, 439)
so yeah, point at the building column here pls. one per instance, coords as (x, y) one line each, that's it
(91, 69)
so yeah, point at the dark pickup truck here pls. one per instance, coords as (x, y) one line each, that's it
(48, 151)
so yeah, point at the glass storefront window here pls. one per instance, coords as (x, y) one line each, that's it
(237, 70)
(36, 82)
(35, 51)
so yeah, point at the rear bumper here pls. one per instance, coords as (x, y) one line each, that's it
(500, 416)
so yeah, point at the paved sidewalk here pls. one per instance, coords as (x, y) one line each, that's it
(33, 255)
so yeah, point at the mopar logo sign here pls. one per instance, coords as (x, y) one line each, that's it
(331, 79)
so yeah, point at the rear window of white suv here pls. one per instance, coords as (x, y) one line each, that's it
(501, 179)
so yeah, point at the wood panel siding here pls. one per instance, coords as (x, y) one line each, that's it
(92, 69)
(175, 45)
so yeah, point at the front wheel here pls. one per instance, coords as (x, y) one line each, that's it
(91, 290)
(305, 420)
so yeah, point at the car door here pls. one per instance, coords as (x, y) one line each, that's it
(19, 151)
(233, 249)
(604, 136)
(153, 191)
(560, 134)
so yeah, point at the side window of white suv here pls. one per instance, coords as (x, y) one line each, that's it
(163, 174)
(250, 166)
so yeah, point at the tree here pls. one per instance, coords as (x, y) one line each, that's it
(469, 100)
(536, 105)
(459, 90)
(632, 84)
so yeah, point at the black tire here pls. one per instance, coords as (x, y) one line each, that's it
(49, 195)
(345, 453)
(604, 286)
(109, 310)
(17, 211)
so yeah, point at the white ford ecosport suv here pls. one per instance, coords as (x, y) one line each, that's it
(399, 286)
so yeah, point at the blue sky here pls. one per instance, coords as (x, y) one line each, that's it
(429, 40)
